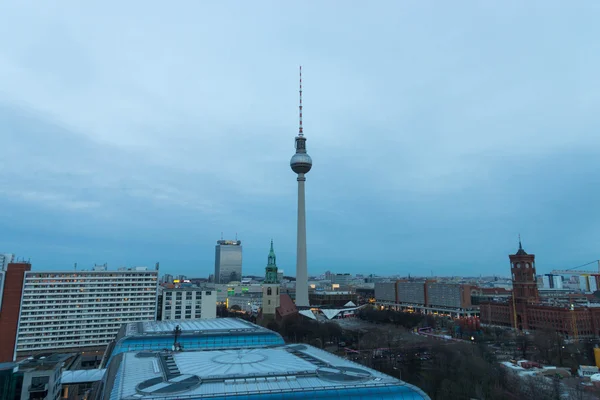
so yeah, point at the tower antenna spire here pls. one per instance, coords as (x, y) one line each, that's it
(300, 132)
(520, 246)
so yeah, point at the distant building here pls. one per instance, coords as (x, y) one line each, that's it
(341, 279)
(426, 296)
(448, 295)
(188, 303)
(550, 281)
(75, 309)
(228, 261)
(10, 307)
(166, 278)
(331, 298)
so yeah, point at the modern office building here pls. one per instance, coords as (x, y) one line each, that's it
(10, 308)
(233, 359)
(75, 309)
(188, 303)
(301, 164)
(228, 261)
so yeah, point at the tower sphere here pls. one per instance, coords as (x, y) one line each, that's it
(301, 163)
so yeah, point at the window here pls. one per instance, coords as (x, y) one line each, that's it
(269, 291)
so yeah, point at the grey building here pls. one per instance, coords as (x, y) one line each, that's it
(228, 261)
(385, 291)
(411, 292)
(448, 295)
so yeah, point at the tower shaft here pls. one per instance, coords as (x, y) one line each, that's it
(301, 267)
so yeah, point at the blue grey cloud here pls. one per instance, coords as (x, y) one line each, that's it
(138, 132)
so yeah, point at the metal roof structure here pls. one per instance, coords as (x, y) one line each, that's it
(217, 333)
(82, 376)
(190, 326)
(288, 371)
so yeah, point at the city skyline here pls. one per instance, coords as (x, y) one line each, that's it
(434, 150)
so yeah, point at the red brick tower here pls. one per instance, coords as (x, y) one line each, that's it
(11, 307)
(522, 267)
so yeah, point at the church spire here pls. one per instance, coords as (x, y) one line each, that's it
(271, 269)
(272, 258)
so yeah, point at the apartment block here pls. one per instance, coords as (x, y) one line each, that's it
(411, 292)
(77, 309)
(188, 303)
(386, 291)
(448, 295)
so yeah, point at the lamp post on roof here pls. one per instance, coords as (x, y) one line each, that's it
(176, 333)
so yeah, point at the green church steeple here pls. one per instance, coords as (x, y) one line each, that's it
(271, 270)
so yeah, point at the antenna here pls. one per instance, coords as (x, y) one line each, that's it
(221, 235)
(300, 133)
(236, 236)
(75, 266)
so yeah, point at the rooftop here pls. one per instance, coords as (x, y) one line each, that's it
(196, 326)
(41, 362)
(292, 370)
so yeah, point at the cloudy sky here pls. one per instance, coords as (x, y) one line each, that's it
(135, 132)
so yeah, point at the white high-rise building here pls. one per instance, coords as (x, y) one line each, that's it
(5, 259)
(70, 309)
(189, 303)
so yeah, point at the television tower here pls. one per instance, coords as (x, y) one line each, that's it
(301, 163)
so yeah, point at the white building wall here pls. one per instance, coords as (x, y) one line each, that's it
(82, 308)
(189, 303)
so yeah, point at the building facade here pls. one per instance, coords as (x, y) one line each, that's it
(448, 295)
(228, 261)
(411, 292)
(386, 291)
(188, 303)
(10, 308)
(426, 296)
(74, 309)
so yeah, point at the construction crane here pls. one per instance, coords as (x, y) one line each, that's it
(574, 324)
(573, 272)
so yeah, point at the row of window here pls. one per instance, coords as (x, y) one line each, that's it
(93, 275)
(67, 320)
